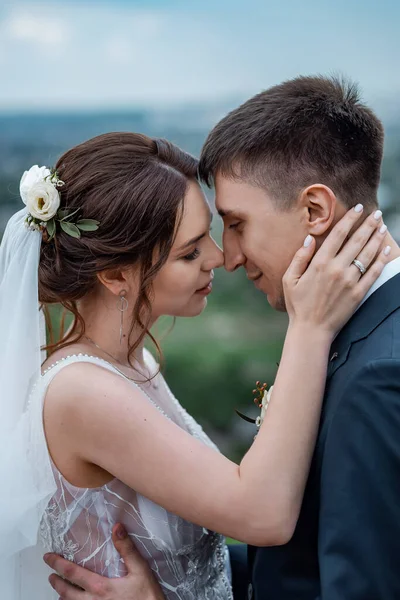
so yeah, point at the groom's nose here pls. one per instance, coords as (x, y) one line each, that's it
(234, 257)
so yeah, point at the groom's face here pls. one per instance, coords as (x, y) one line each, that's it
(258, 235)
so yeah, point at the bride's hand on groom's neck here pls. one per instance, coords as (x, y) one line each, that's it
(323, 290)
(73, 582)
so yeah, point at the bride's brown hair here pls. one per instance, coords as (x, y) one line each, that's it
(135, 187)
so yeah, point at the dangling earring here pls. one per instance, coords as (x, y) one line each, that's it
(122, 305)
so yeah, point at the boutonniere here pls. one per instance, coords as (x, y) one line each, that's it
(262, 397)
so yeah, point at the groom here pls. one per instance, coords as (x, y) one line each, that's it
(287, 163)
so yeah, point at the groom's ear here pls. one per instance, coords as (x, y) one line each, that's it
(318, 204)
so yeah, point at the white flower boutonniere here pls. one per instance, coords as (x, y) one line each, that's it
(262, 399)
(264, 405)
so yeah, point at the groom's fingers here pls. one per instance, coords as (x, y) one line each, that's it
(339, 234)
(134, 562)
(67, 591)
(139, 571)
(140, 580)
(75, 574)
(360, 240)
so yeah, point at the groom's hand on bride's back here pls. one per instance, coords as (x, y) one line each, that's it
(76, 583)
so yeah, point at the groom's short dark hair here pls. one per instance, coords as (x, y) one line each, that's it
(303, 131)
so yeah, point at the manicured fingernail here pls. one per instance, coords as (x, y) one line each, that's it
(358, 208)
(387, 251)
(383, 229)
(121, 532)
(308, 241)
(377, 215)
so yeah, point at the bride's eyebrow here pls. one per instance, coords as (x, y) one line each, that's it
(195, 239)
(192, 241)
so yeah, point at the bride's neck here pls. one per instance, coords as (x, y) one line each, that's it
(102, 326)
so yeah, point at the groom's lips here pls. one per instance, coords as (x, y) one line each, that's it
(254, 277)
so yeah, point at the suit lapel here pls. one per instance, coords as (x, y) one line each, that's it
(372, 313)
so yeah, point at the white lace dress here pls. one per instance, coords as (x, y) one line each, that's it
(190, 562)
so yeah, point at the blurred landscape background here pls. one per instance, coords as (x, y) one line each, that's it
(172, 69)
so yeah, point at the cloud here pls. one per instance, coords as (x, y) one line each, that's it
(122, 54)
(140, 30)
(36, 29)
(118, 50)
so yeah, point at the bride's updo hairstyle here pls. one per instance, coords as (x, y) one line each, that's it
(135, 187)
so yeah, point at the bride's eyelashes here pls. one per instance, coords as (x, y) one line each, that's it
(196, 252)
(193, 255)
(234, 225)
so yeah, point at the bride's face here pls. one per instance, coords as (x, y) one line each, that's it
(184, 282)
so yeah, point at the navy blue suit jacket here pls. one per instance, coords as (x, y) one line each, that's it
(347, 542)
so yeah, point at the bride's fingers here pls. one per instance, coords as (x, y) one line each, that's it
(359, 239)
(300, 261)
(367, 280)
(371, 249)
(339, 233)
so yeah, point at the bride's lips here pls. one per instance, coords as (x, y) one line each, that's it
(207, 289)
(204, 291)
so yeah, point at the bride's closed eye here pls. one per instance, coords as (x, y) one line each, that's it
(196, 252)
(193, 255)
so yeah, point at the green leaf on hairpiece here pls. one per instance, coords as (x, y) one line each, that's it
(51, 228)
(68, 216)
(88, 224)
(62, 213)
(71, 229)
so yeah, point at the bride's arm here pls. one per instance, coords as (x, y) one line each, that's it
(104, 420)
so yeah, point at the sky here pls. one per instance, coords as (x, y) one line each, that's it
(121, 54)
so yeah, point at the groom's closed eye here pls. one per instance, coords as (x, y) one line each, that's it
(234, 225)
(232, 218)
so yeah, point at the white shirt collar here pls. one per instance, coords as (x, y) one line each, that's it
(390, 270)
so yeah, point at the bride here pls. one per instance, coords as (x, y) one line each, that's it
(119, 234)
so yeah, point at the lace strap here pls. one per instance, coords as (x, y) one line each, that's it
(49, 374)
(53, 369)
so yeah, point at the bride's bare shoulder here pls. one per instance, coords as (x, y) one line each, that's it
(71, 350)
(79, 380)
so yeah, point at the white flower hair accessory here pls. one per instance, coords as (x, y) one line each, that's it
(39, 190)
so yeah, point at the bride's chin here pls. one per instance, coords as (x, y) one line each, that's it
(195, 309)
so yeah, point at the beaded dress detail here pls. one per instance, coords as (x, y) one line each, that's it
(189, 561)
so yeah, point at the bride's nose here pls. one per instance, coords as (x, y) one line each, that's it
(215, 257)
